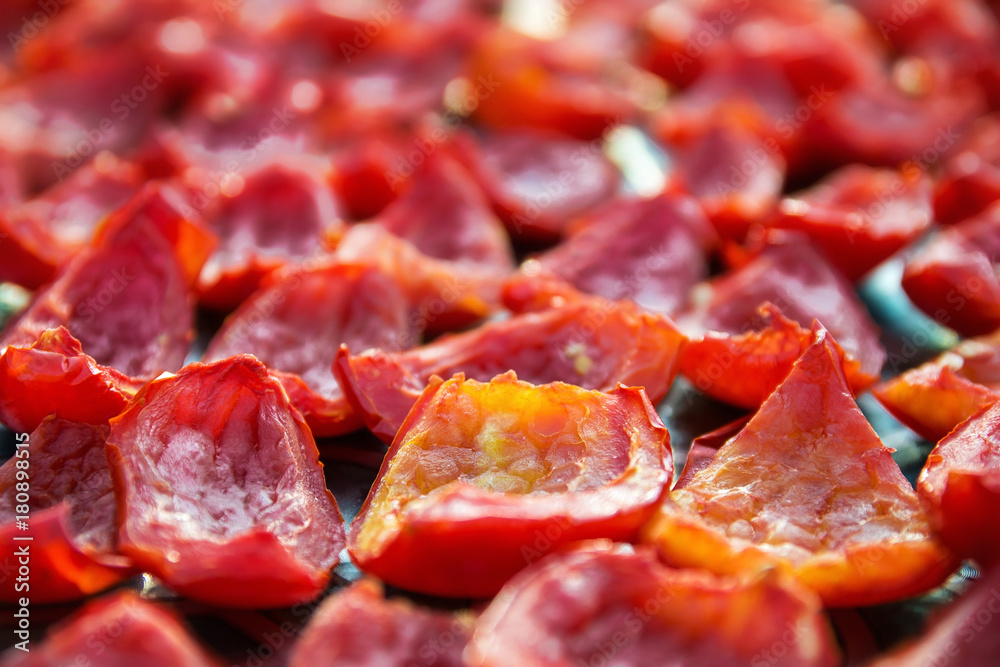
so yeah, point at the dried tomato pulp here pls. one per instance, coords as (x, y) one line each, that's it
(524, 469)
(220, 490)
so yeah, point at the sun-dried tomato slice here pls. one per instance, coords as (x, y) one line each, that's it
(525, 464)
(954, 277)
(791, 274)
(960, 486)
(808, 487)
(126, 309)
(860, 215)
(220, 490)
(734, 174)
(40, 236)
(62, 472)
(518, 81)
(358, 626)
(601, 606)
(266, 220)
(443, 294)
(592, 343)
(743, 369)
(362, 308)
(937, 396)
(970, 179)
(119, 630)
(538, 181)
(651, 251)
(966, 634)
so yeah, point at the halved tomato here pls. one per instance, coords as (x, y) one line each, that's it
(960, 486)
(860, 215)
(358, 626)
(791, 274)
(651, 251)
(360, 307)
(220, 490)
(603, 605)
(537, 181)
(954, 277)
(937, 396)
(119, 630)
(124, 304)
(507, 470)
(60, 475)
(743, 369)
(591, 342)
(806, 487)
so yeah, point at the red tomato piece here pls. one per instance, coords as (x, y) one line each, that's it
(40, 236)
(970, 179)
(367, 170)
(523, 82)
(220, 489)
(592, 343)
(604, 606)
(119, 630)
(937, 396)
(960, 486)
(33, 383)
(966, 634)
(791, 274)
(734, 174)
(443, 294)
(743, 369)
(361, 307)
(358, 627)
(272, 217)
(806, 487)
(445, 215)
(954, 277)
(524, 463)
(538, 182)
(72, 508)
(125, 313)
(650, 251)
(860, 215)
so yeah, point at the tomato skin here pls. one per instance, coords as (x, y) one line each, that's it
(224, 546)
(358, 626)
(953, 278)
(364, 309)
(731, 516)
(590, 342)
(117, 630)
(33, 383)
(860, 215)
(960, 485)
(598, 602)
(422, 542)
